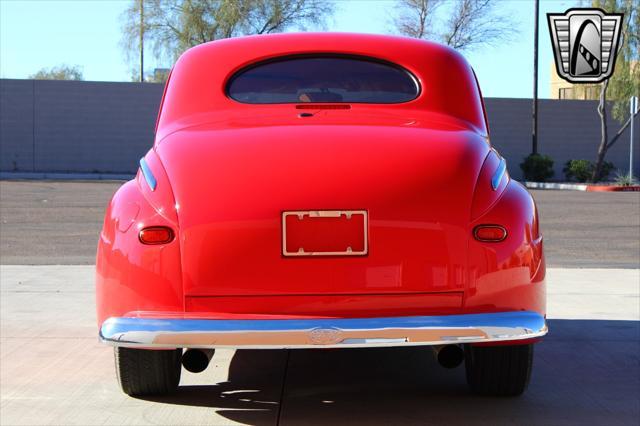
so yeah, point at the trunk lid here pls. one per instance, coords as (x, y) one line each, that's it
(232, 186)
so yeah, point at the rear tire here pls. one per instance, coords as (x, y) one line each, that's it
(144, 372)
(498, 370)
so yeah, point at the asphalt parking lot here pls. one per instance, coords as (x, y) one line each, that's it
(57, 223)
(53, 370)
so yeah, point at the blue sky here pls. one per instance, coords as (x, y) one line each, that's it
(44, 33)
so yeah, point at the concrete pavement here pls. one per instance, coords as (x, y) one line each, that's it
(53, 370)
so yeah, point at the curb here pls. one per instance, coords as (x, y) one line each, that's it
(64, 176)
(556, 185)
(120, 177)
(613, 188)
(582, 187)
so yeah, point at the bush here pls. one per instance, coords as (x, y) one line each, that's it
(624, 179)
(582, 170)
(579, 170)
(537, 168)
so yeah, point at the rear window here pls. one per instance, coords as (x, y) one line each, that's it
(330, 79)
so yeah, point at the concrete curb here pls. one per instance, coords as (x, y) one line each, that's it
(613, 188)
(582, 187)
(64, 176)
(557, 185)
(119, 177)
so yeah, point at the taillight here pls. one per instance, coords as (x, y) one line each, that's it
(156, 235)
(489, 233)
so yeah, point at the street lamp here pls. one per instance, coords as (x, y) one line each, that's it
(534, 132)
(633, 110)
(141, 41)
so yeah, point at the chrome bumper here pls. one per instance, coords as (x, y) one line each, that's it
(325, 333)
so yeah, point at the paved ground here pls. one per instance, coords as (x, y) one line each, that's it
(59, 222)
(53, 370)
(51, 223)
(589, 229)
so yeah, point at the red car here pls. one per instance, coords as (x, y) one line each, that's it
(321, 191)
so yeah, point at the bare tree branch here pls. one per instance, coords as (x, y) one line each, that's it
(602, 149)
(475, 23)
(619, 133)
(415, 18)
(172, 26)
(470, 23)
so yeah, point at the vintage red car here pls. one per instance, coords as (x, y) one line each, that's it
(321, 191)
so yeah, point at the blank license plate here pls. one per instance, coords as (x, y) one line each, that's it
(325, 233)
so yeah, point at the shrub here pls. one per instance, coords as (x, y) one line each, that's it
(537, 168)
(624, 179)
(579, 170)
(582, 170)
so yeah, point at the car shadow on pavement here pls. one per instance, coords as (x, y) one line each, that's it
(585, 372)
(250, 396)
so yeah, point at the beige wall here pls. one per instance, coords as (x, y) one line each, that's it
(569, 90)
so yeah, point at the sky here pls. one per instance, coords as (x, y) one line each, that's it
(37, 34)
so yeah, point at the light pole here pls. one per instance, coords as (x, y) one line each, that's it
(141, 41)
(534, 131)
(633, 110)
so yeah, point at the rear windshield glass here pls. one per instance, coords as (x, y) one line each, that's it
(323, 79)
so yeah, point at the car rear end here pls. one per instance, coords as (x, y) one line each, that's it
(322, 209)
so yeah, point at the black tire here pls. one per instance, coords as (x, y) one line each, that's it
(145, 372)
(498, 370)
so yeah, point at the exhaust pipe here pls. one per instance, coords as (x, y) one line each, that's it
(449, 356)
(197, 360)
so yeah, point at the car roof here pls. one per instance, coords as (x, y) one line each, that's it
(196, 90)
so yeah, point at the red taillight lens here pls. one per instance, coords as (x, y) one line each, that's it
(156, 235)
(490, 233)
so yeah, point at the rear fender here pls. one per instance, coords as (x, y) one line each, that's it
(131, 276)
(510, 274)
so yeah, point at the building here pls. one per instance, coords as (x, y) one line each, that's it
(562, 89)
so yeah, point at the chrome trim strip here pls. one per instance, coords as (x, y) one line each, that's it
(499, 174)
(326, 333)
(325, 213)
(148, 175)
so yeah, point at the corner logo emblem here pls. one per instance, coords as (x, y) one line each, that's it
(585, 43)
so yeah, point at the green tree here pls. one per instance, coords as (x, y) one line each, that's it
(625, 81)
(173, 26)
(60, 72)
(461, 24)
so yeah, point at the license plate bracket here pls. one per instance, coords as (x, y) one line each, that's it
(325, 233)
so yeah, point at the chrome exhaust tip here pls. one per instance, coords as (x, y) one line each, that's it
(197, 360)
